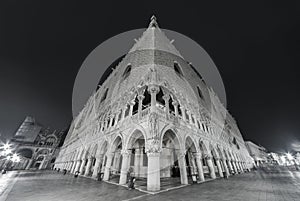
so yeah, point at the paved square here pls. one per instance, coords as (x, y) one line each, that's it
(264, 184)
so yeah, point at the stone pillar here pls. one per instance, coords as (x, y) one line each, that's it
(97, 166)
(175, 104)
(199, 166)
(234, 166)
(88, 166)
(78, 163)
(219, 168)
(131, 104)
(230, 166)
(42, 163)
(183, 112)
(211, 167)
(182, 166)
(125, 166)
(190, 117)
(110, 120)
(166, 98)
(196, 121)
(82, 166)
(117, 117)
(140, 108)
(137, 157)
(153, 177)
(225, 167)
(29, 164)
(153, 90)
(107, 166)
(123, 112)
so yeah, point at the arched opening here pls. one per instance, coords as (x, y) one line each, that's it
(191, 166)
(103, 157)
(214, 159)
(115, 167)
(169, 157)
(204, 153)
(138, 160)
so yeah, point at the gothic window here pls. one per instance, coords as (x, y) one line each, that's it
(50, 141)
(200, 92)
(178, 69)
(127, 71)
(104, 95)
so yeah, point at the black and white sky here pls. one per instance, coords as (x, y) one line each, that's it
(255, 45)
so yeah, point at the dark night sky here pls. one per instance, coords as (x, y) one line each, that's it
(255, 46)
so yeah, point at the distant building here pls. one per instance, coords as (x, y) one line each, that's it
(37, 146)
(155, 116)
(257, 152)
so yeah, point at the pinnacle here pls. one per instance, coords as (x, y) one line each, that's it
(153, 22)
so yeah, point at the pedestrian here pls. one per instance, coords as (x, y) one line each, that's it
(76, 174)
(65, 171)
(130, 179)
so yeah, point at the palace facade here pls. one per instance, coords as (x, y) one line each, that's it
(155, 115)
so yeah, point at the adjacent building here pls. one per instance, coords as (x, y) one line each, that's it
(37, 146)
(154, 116)
(257, 152)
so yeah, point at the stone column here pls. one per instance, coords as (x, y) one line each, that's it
(82, 166)
(225, 167)
(78, 164)
(153, 177)
(137, 157)
(123, 112)
(211, 167)
(182, 166)
(29, 164)
(196, 121)
(131, 104)
(198, 157)
(97, 166)
(190, 117)
(125, 166)
(166, 98)
(140, 108)
(230, 166)
(219, 168)
(234, 167)
(153, 90)
(107, 166)
(175, 104)
(88, 166)
(183, 112)
(117, 117)
(110, 120)
(42, 163)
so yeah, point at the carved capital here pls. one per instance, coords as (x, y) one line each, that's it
(125, 152)
(153, 146)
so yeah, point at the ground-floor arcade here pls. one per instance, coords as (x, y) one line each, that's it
(182, 158)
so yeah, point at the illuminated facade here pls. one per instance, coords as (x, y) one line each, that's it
(154, 114)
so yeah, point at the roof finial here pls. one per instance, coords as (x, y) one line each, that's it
(153, 22)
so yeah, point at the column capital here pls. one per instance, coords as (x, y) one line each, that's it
(175, 103)
(153, 146)
(153, 89)
(198, 155)
(125, 152)
(140, 97)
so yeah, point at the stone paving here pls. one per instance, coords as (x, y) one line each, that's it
(273, 184)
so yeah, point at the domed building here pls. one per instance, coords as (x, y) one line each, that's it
(155, 116)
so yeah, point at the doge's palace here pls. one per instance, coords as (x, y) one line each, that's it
(154, 115)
